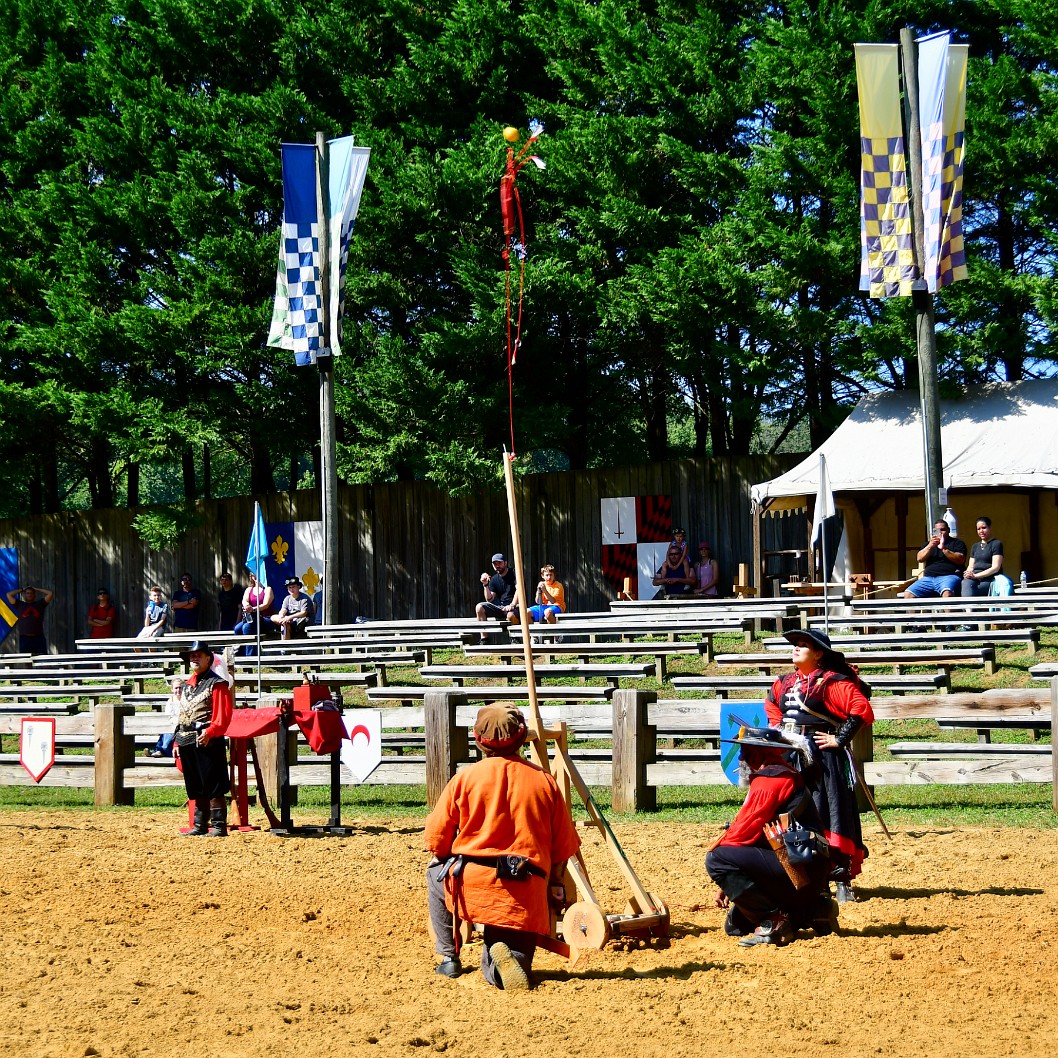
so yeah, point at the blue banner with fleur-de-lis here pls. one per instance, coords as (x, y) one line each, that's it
(295, 549)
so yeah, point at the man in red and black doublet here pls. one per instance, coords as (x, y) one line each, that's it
(828, 706)
(765, 906)
(205, 712)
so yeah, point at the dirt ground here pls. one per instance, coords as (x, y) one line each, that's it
(124, 939)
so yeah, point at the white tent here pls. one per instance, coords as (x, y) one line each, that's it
(1000, 435)
(999, 445)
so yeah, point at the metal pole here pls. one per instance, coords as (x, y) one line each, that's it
(921, 298)
(823, 545)
(325, 362)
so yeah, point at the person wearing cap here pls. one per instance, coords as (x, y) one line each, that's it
(706, 571)
(205, 710)
(825, 699)
(185, 603)
(295, 611)
(101, 616)
(763, 904)
(500, 835)
(500, 588)
(29, 604)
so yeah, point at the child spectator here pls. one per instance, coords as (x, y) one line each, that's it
(679, 541)
(550, 597)
(155, 616)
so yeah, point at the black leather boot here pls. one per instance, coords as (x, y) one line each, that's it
(198, 827)
(218, 826)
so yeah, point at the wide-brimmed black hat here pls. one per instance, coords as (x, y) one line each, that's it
(820, 640)
(292, 580)
(765, 737)
(198, 646)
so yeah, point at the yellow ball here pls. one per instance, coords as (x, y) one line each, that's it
(511, 134)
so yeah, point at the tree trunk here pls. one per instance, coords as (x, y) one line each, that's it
(132, 485)
(50, 476)
(190, 485)
(261, 478)
(207, 474)
(100, 487)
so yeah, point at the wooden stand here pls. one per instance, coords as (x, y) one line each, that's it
(585, 925)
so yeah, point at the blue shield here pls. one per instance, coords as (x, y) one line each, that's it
(751, 713)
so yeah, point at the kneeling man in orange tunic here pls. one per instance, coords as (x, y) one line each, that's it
(500, 835)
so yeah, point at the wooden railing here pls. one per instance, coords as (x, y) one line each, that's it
(429, 744)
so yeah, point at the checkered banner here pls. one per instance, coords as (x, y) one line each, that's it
(297, 317)
(887, 264)
(942, 116)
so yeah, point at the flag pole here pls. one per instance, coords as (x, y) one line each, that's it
(921, 298)
(257, 608)
(325, 362)
(823, 541)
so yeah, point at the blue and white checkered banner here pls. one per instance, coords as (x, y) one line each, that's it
(942, 118)
(297, 318)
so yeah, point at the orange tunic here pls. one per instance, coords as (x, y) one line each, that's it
(502, 805)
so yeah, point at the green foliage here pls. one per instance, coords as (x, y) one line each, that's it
(162, 528)
(690, 283)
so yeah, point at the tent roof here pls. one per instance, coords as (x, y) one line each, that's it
(1003, 434)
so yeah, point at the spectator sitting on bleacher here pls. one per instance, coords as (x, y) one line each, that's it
(675, 576)
(550, 597)
(499, 587)
(706, 571)
(295, 611)
(256, 609)
(943, 557)
(986, 560)
(154, 616)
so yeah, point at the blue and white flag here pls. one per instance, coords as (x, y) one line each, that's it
(298, 313)
(942, 118)
(257, 551)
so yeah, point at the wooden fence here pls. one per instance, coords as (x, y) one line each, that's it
(435, 740)
(407, 549)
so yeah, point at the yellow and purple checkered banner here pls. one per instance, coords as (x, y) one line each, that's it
(887, 263)
(942, 116)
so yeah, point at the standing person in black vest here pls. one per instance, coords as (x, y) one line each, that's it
(205, 712)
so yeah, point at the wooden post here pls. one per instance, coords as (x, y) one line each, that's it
(634, 747)
(114, 752)
(1054, 758)
(446, 741)
(863, 751)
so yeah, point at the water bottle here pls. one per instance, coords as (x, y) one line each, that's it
(949, 517)
(1024, 579)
